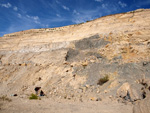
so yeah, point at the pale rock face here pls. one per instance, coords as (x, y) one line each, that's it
(123, 90)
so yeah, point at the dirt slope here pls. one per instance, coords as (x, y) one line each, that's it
(70, 62)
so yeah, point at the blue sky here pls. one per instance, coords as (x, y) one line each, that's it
(18, 15)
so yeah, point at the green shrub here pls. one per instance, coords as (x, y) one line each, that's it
(103, 80)
(33, 96)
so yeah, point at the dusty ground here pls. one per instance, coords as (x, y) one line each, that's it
(47, 105)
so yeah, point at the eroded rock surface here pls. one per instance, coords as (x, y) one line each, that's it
(143, 106)
(68, 62)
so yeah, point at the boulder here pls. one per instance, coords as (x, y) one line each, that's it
(130, 92)
(123, 90)
(136, 92)
(142, 106)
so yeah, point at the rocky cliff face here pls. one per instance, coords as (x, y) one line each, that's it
(71, 62)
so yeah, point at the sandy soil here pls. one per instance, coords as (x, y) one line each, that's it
(47, 105)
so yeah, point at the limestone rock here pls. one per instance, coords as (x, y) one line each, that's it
(135, 92)
(142, 106)
(130, 92)
(123, 90)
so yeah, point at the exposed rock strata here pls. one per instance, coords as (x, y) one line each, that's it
(70, 60)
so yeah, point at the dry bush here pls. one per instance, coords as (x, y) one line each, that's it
(33, 96)
(103, 80)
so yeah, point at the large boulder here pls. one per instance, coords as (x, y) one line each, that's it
(143, 106)
(123, 90)
(130, 92)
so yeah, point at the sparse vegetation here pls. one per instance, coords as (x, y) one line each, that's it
(103, 80)
(33, 96)
(5, 98)
(88, 21)
(79, 23)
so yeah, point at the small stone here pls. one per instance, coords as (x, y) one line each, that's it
(15, 95)
(66, 63)
(98, 91)
(24, 64)
(67, 70)
(99, 99)
(145, 63)
(105, 91)
(110, 96)
(92, 61)
(87, 86)
(93, 99)
(39, 78)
